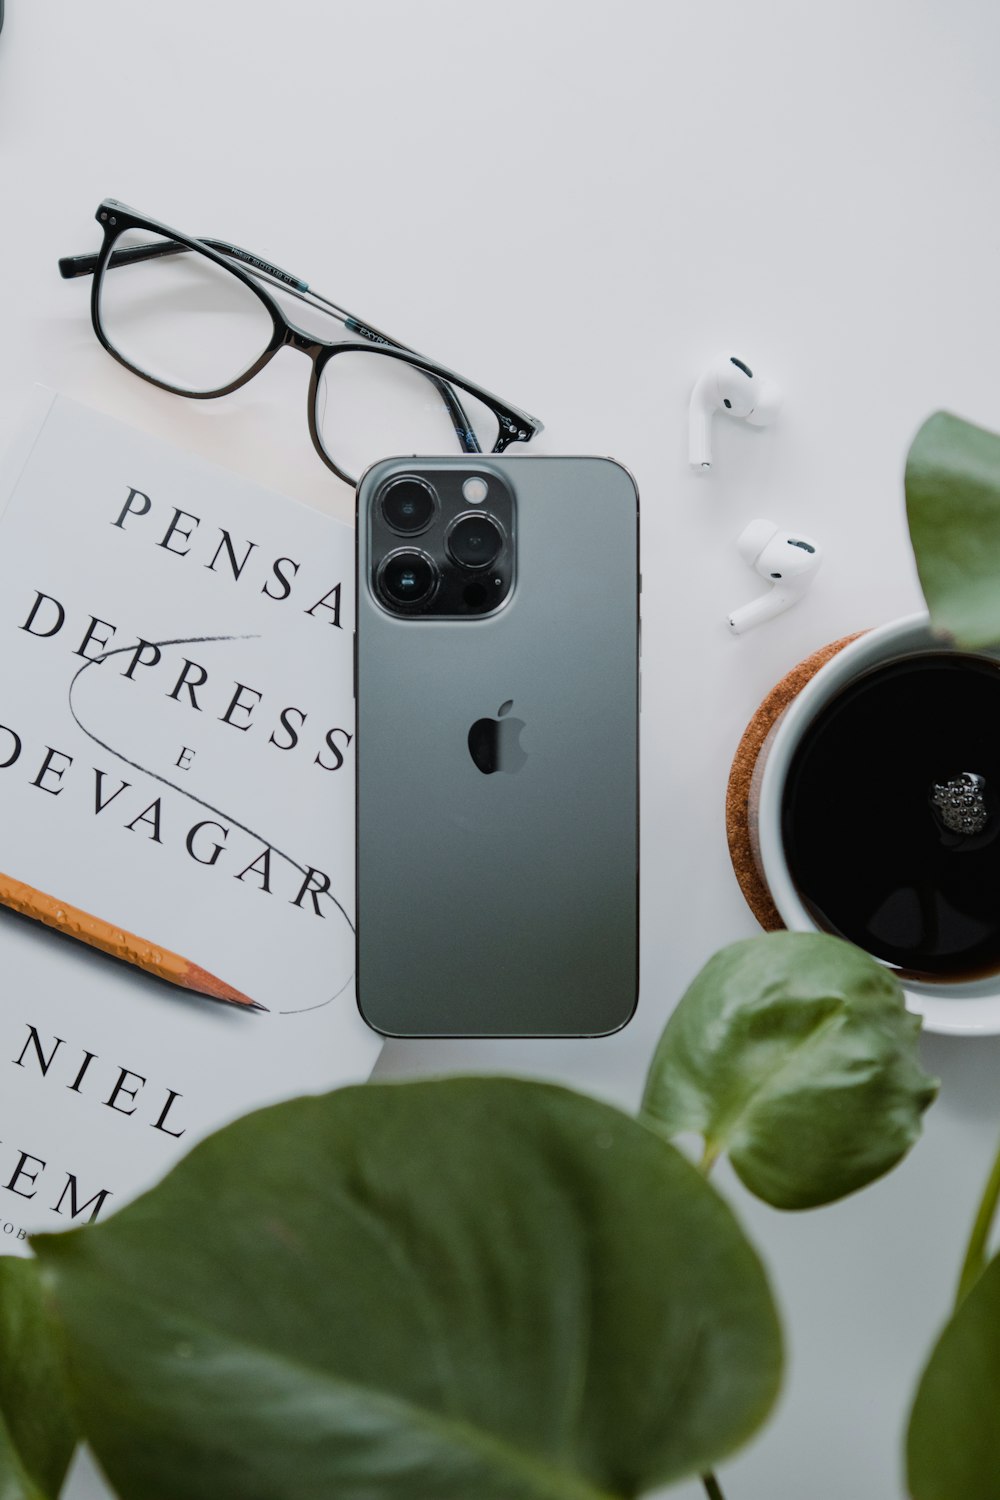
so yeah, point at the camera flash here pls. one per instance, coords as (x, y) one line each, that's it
(475, 490)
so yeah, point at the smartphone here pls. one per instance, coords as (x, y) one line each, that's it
(497, 688)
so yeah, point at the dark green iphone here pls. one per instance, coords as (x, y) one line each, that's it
(497, 683)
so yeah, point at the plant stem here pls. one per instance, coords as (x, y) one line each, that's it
(709, 1157)
(975, 1255)
(713, 1489)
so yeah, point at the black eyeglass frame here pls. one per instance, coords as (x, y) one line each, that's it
(514, 424)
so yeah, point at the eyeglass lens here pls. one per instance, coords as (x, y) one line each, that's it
(370, 406)
(180, 317)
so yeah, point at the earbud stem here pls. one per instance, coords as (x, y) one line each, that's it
(700, 430)
(764, 608)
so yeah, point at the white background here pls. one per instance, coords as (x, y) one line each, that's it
(577, 204)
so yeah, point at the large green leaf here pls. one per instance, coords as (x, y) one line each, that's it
(434, 1291)
(794, 1053)
(953, 1443)
(953, 509)
(37, 1433)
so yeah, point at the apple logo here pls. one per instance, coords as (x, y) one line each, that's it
(494, 744)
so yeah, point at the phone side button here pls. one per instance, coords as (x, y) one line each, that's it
(354, 666)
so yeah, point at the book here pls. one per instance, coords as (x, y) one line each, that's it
(176, 734)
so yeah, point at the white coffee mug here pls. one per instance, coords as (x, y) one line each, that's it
(958, 1007)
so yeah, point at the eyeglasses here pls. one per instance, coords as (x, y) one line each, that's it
(194, 317)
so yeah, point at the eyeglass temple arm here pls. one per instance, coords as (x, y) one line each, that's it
(86, 265)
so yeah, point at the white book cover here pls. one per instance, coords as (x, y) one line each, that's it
(176, 758)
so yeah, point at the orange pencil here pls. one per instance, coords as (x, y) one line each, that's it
(114, 940)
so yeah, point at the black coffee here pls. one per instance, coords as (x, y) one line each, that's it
(891, 818)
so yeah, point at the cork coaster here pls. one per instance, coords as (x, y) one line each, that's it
(755, 892)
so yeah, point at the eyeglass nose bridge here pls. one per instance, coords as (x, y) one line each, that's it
(307, 343)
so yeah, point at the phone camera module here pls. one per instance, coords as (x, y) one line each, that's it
(407, 579)
(408, 505)
(475, 541)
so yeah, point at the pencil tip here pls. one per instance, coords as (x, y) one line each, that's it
(209, 984)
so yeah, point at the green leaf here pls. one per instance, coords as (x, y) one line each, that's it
(432, 1291)
(953, 1443)
(953, 509)
(37, 1432)
(794, 1053)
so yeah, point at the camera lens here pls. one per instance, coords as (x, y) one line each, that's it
(475, 541)
(407, 578)
(408, 505)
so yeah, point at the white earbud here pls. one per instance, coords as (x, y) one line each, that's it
(727, 385)
(786, 559)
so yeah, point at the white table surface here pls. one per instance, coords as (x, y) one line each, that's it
(577, 205)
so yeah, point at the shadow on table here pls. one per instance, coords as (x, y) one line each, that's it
(969, 1070)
